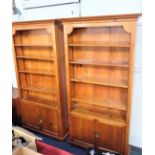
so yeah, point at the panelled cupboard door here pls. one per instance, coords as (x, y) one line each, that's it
(31, 115)
(40, 117)
(50, 123)
(81, 130)
(110, 136)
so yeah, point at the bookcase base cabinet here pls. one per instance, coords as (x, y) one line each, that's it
(89, 132)
(43, 119)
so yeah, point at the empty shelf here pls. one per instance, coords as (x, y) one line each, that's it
(36, 71)
(35, 58)
(109, 103)
(33, 45)
(40, 100)
(100, 44)
(98, 81)
(100, 63)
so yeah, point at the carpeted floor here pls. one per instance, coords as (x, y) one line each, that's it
(74, 149)
(63, 145)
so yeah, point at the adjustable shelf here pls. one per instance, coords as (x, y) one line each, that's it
(104, 82)
(100, 102)
(123, 64)
(35, 58)
(40, 100)
(100, 44)
(40, 89)
(36, 71)
(33, 45)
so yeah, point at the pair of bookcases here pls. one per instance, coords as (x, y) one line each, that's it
(76, 75)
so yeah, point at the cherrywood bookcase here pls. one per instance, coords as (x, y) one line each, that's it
(39, 60)
(99, 54)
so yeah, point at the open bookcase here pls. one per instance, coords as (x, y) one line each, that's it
(99, 63)
(41, 76)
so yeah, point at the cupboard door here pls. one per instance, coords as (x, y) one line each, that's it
(50, 119)
(110, 137)
(31, 115)
(81, 130)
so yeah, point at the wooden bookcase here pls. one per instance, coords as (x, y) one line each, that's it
(39, 60)
(99, 55)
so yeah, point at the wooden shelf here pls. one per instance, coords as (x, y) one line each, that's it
(35, 58)
(36, 71)
(40, 100)
(33, 45)
(110, 119)
(100, 63)
(99, 81)
(100, 44)
(40, 90)
(104, 103)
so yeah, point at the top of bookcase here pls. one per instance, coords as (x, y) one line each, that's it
(33, 22)
(105, 17)
(86, 18)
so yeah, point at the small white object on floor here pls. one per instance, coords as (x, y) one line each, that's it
(107, 153)
(92, 152)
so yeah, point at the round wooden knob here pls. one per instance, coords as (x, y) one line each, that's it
(97, 135)
(40, 121)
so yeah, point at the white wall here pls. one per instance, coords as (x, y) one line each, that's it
(93, 8)
(136, 106)
(107, 7)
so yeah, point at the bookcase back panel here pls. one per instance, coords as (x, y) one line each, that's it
(89, 53)
(119, 55)
(99, 54)
(111, 74)
(42, 97)
(35, 51)
(40, 36)
(35, 65)
(99, 95)
(33, 80)
(100, 34)
(99, 71)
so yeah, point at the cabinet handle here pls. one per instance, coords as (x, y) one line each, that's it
(40, 121)
(97, 135)
(51, 126)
